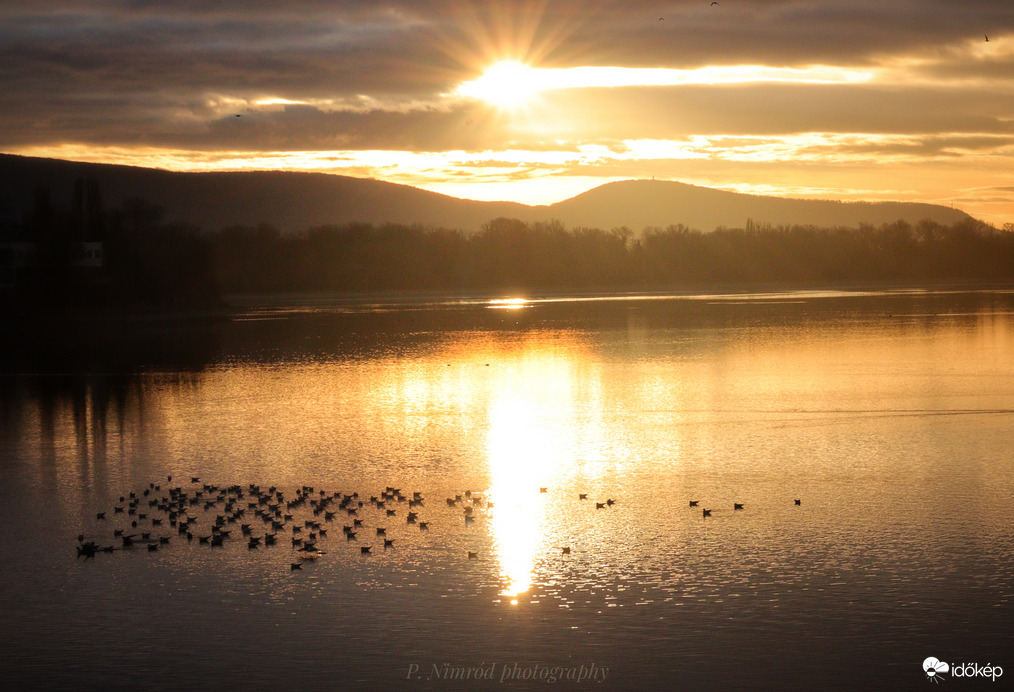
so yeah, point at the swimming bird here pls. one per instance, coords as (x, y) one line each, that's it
(706, 512)
(473, 556)
(543, 490)
(381, 532)
(295, 565)
(365, 549)
(798, 502)
(610, 502)
(737, 505)
(582, 496)
(600, 505)
(388, 542)
(565, 550)
(100, 515)
(693, 503)
(424, 525)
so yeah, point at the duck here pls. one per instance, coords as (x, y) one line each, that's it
(706, 512)
(693, 503)
(737, 505)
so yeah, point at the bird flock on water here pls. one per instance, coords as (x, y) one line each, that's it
(219, 515)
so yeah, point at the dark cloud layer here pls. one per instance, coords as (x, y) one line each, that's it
(166, 74)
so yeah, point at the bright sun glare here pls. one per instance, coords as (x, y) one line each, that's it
(505, 84)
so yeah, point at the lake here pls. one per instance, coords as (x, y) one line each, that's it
(888, 415)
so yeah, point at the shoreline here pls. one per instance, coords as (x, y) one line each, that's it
(236, 304)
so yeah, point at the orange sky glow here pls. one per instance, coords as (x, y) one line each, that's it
(536, 102)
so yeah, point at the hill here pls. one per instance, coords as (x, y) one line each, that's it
(641, 203)
(293, 201)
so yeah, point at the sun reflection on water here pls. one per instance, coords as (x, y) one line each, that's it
(522, 458)
(529, 444)
(507, 303)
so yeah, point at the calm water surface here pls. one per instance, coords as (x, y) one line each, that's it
(889, 415)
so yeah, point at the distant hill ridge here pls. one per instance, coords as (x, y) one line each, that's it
(294, 201)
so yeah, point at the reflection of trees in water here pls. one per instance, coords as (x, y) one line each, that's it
(81, 411)
(78, 383)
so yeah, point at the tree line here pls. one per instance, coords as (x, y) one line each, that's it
(148, 261)
(511, 254)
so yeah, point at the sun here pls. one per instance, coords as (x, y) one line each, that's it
(507, 84)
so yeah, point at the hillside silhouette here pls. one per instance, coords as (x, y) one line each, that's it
(293, 201)
(639, 204)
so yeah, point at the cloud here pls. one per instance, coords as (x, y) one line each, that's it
(373, 75)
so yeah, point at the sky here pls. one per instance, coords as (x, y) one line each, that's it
(530, 101)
